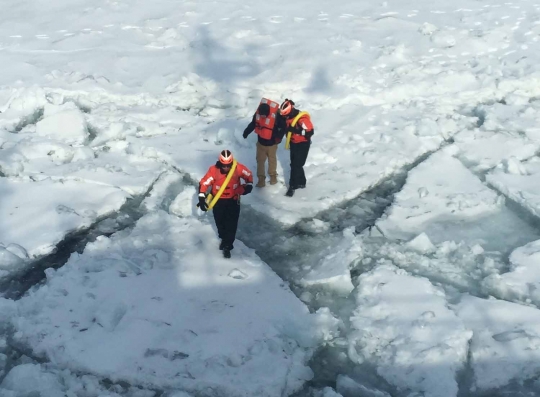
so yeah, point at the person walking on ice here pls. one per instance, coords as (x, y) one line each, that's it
(223, 180)
(300, 130)
(270, 128)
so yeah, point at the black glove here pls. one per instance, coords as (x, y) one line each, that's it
(247, 189)
(245, 134)
(202, 204)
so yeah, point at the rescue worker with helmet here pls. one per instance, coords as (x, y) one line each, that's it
(227, 206)
(300, 130)
(270, 128)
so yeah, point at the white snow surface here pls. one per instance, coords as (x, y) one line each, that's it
(403, 324)
(160, 307)
(35, 379)
(509, 130)
(106, 101)
(38, 214)
(439, 190)
(501, 351)
(444, 201)
(347, 387)
(460, 265)
(518, 180)
(333, 270)
(522, 282)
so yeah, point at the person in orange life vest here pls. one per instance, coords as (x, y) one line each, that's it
(270, 128)
(300, 143)
(227, 208)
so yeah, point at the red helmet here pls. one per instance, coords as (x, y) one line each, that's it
(225, 157)
(286, 107)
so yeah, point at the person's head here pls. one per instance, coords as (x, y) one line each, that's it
(286, 107)
(264, 109)
(225, 160)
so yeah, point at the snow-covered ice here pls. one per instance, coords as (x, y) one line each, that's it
(403, 326)
(130, 102)
(459, 265)
(38, 214)
(521, 282)
(347, 387)
(509, 129)
(447, 202)
(440, 190)
(42, 379)
(159, 307)
(518, 181)
(505, 342)
(333, 270)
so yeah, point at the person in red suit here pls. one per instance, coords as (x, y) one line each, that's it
(227, 207)
(302, 131)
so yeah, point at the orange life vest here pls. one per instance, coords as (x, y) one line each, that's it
(264, 125)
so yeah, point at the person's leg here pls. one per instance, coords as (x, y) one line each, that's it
(272, 164)
(261, 160)
(302, 153)
(219, 211)
(293, 181)
(230, 223)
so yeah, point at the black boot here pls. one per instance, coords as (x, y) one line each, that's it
(221, 245)
(226, 253)
(290, 192)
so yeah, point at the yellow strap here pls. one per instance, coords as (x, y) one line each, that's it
(289, 134)
(298, 116)
(222, 188)
(288, 141)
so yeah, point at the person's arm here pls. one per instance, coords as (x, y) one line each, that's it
(305, 127)
(245, 173)
(207, 181)
(249, 129)
(280, 129)
(247, 176)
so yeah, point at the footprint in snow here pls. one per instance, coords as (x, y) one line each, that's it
(237, 274)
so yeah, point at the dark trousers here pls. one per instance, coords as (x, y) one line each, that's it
(299, 153)
(226, 214)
